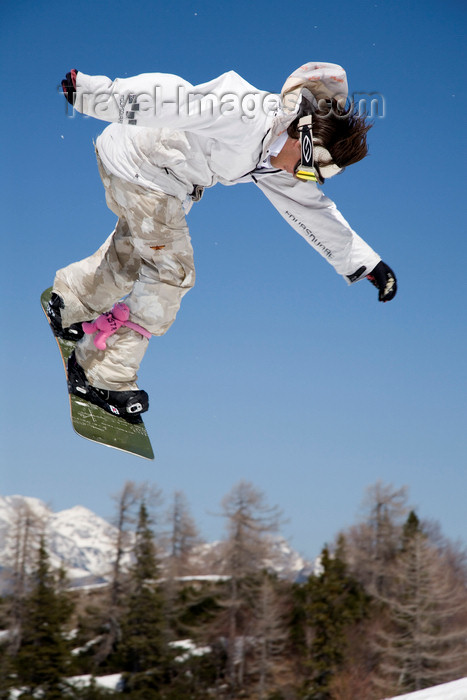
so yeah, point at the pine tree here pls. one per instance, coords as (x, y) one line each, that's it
(142, 647)
(332, 601)
(42, 658)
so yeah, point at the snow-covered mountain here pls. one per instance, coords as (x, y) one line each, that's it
(283, 559)
(288, 563)
(77, 539)
(84, 543)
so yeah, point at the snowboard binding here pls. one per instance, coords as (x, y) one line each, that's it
(73, 332)
(125, 404)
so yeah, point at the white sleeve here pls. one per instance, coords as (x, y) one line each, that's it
(315, 217)
(155, 100)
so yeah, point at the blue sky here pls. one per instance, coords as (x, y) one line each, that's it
(275, 371)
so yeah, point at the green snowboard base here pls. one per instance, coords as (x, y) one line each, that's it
(95, 424)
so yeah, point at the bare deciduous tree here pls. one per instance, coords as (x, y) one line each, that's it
(424, 642)
(250, 524)
(127, 502)
(372, 545)
(270, 634)
(24, 540)
(182, 536)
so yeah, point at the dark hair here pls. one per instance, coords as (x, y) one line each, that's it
(341, 130)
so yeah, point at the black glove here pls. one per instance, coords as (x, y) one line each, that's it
(69, 85)
(385, 280)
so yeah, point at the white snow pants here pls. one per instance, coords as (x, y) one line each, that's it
(147, 257)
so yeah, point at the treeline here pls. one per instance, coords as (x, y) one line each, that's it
(385, 613)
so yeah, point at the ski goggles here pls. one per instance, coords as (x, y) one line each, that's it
(315, 161)
(305, 168)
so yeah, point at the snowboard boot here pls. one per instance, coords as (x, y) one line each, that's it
(73, 332)
(125, 404)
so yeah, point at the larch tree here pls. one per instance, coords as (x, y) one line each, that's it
(250, 524)
(423, 643)
(23, 544)
(127, 502)
(179, 541)
(182, 536)
(373, 544)
(270, 632)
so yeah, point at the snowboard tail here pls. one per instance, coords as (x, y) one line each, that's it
(95, 424)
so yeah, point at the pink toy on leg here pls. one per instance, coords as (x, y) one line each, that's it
(106, 325)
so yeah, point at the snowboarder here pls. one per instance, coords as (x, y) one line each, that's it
(167, 142)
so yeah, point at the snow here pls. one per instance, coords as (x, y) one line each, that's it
(285, 560)
(84, 544)
(86, 647)
(93, 586)
(213, 578)
(79, 536)
(190, 649)
(456, 690)
(110, 682)
(76, 538)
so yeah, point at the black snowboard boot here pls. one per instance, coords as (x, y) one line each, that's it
(73, 332)
(125, 404)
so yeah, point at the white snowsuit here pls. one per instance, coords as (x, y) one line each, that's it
(167, 142)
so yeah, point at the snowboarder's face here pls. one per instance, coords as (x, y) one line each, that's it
(288, 158)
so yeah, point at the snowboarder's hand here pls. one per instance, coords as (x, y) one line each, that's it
(384, 279)
(69, 85)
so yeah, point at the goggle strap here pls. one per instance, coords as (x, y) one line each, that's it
(305, 170)
(306, 174)
(306, 141)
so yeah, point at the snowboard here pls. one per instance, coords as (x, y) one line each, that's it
(95, 424)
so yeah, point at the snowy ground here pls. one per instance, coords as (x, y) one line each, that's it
(110, 682)
(456, 690)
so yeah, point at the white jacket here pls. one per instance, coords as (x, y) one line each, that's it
(169, 135)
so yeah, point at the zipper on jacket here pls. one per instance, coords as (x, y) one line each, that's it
(262, 171)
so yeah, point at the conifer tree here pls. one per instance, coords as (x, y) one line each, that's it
(42, 658)
(108, 622)
(332, 601)
(126, 516)
(182, 537)
(424, 642)
(23, 542)
(270, 633)
(374, 543)
(250, 523)
(179, 542)
(142, 646)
